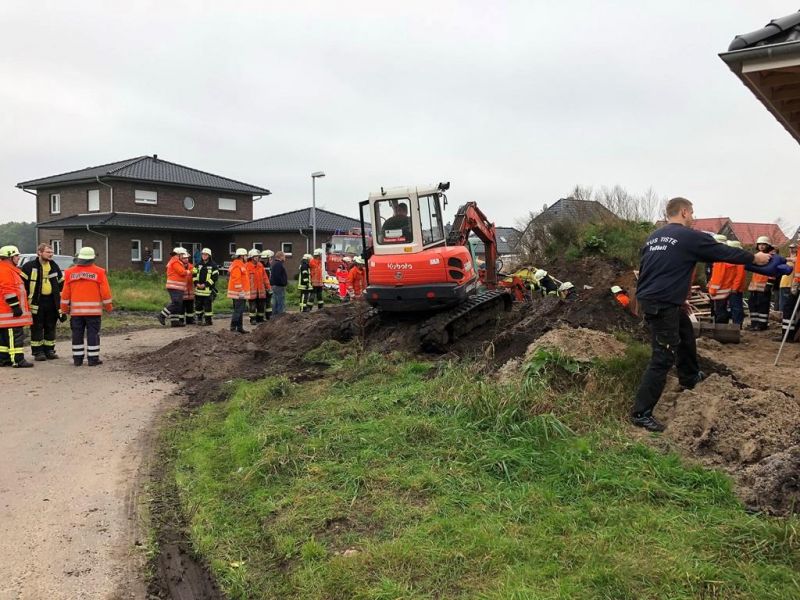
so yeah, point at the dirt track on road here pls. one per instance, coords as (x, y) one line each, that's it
(72, 441)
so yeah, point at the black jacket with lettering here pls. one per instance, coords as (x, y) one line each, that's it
(668, 259)
(32, 276)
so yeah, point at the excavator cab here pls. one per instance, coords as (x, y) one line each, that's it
(409, 219)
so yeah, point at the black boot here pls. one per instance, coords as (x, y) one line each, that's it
(161, 318)
(77, 361)
(190, 320)
(39, 356)
(93, 362)
(647, 421)
(50, 355)
(208, 322)
(241, 329)
(22, 364)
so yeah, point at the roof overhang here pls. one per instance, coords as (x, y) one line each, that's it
(772, 73)
(32, 185)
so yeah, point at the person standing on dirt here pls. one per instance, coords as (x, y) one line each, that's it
(176, 288)
(719, 288)
(357, 278)
(304, 283)
(43, 280)
(205, 275)
(667, 262)
(789, 305)
(85, 296)
(341, 276)
(15, 314)
(187, 316)
(760, 291)
(785, 284)
(736, 299)
(238, 289)
(278, 280)
(315, 264)
(258, 286)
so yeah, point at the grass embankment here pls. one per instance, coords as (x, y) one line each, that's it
(393, 478)
(135, 291)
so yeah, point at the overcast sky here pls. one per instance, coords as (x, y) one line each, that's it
(513, 102)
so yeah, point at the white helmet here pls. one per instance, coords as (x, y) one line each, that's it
(358, 260)
(253, 253)
(318, 252)
(179, 250)
(566, 286)
(616, 289)
(720, 238)
(540, 274)
(268, 253)
(241, 252)
(347, 259)
(206, 251)
(734, 244)
(764, 240)
(307, 256)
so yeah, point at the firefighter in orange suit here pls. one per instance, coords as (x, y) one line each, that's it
(15, 312)
(256, 275)
(315, 264)
(238, 289)
(176, 287)
(621, 296)
(736, 299)
(357, 278)
(85, 296)
(187, 316)
(760, 291)
(719, 288)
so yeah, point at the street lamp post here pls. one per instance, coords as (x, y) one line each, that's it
(314, 176)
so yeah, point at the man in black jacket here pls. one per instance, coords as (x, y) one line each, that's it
(278, 280)
(667, 263)
(43, 280)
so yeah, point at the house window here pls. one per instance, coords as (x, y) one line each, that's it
(56, 245)
(286, 248)
(93, 200)
(228, 204)
(78, 245)
(258, 246)
(188, 203)
(136, 250)
(232, 248)
(55, 204)
(158, 251)
(146, 197)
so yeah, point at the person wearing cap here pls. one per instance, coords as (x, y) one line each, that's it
(176, 288)
(85, 296)
(43, 280)
(667, 263)
(304, 283)
(341, 276)
(760, 290)
(15, 313)
(278, 279)
(357, 278)
(238, 289)
(621, 296)
(258, 287)
(737, 284)
(315, 264)
(205, 275)
(567, 291)
(187, 316)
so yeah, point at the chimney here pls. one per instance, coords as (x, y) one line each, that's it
(155, 157)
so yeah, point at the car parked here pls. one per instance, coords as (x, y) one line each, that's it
(62, 260)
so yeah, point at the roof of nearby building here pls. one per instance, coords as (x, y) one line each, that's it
(149, 169)
(712, 224)
(507, 238)
(777, 31)
(138, 221)
(748, 233)
(573, 209)
(327, 221)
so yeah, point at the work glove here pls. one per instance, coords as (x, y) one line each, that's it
(62, 316)
(16, 310)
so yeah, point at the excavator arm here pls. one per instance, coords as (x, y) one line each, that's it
(470, 219)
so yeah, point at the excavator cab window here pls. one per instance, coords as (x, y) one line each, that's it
(392, 216)
(431, 216)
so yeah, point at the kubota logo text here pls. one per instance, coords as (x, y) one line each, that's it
(400, 266)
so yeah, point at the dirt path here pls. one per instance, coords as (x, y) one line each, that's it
(72, 441)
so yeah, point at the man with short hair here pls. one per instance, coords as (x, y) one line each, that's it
(398, 222)
(278, 279)
(668, 259)
(15, 313)
(43, 280)
(205, 275)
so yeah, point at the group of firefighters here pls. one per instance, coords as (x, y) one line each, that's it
(39, 294)
(256, 284)
(727, 285)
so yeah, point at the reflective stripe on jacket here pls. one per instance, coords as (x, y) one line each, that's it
(12, 293)
(176, 274)
(719, 287)
(86, 291)
(188, 293)
(738, 279)
(205, 274)
(356, 280)
(316, 272)
(304, 278)
(31, 273)
(238, 280)
(758, 283)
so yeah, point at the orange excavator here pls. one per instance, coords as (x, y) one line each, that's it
(414, 266)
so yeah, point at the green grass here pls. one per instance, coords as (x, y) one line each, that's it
(393, 478)
(136, 291)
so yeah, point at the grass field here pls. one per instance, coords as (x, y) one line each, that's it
(393, 478)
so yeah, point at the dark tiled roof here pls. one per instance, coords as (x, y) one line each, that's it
(579, 211)
(777, 31)
(151, 169)
(138, 221)
(507, 238)
(300, 219)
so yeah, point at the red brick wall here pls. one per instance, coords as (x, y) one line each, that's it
(74, 201)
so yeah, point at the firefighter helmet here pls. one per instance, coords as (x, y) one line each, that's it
(318, 252)
(241, 252)
(358, 260)
(9, 251)
(254, 253)
(540, 274)
(268, 253)
(566, 286)
(206, 251)
(307, 256)
(763, 239)
(735, 244)
(347, 259)
(178, 250)
(616, 289)
(720, 238)
(86, 253)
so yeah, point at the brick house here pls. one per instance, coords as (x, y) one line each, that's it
(128, 208)
(290, 232)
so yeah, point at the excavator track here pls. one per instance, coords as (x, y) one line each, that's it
(446, 327)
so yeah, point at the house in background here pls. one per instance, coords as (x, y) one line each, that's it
(290, 232)
(746, 233)
(507, 240)
(574, 211)
(144, 204)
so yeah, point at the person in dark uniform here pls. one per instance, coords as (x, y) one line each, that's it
(667, 263)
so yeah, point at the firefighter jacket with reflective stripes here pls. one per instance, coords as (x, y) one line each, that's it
(238, 281)
(738, 278)
(315, 265)
(719, 286)
(188, 294)
(34, 276)
(205, 274)
(86, 291)
(259, 283)
(796, 274)
(12, 293)
(357, 280)
(176, 274)
(758, 283)
(304, 278)
(623, 299)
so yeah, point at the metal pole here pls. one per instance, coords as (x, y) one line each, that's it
(788, 329)
(313, 212)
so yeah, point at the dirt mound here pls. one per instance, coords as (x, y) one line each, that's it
(753, 434)
(581, 344)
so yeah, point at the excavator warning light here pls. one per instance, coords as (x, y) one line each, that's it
(444, 186)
